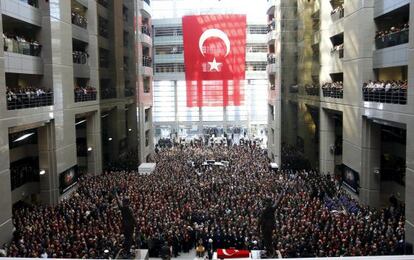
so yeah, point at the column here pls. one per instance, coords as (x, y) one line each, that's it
(370, 177)
(93, 139)
(326, 143)
(6, 224)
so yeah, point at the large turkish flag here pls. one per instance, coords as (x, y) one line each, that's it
(214, 57)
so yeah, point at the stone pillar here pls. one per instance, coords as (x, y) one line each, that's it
(93, 139)
(6, 225)
(370, 179)
(49, 182)
(327, 140)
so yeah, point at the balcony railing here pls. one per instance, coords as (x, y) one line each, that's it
(82, 95)
(148, 2)
(145, 30)
(104, 3)
(391, 96)
(128, 92)
(310, 90)
(338, 14)
(20, 45)
(392, 39)
(333, 92)
(80, 57)
(147, 61)
(107, 93)
(79, 20)
(24, 100)
(33, 3)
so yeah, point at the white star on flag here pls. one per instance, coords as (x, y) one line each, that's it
(214, 65)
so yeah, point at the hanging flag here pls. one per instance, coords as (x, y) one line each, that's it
(214, 57)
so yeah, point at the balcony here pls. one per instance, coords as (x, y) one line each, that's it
(147, 61)
(23, 10)
(385, 40)
(145, 6)
(85, 94)
(333, 90)
(385, 6)
(146, 35)
(29, 99)
(17, 44)
(80, 57)
(309, 90)
(338, 13)
(390, 92)
(129, 92)
(108, 93)
(79, 20)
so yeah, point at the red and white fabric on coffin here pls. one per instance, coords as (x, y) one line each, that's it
(215, 59)
(232, 253)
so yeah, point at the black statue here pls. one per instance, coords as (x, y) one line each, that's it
(129, 222)
(267, 224)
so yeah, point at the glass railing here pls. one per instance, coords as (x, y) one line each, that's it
(24, 100)
(145, 30)
(333, 92)
(128, 92)
(146, 61)
(80, 57)
(21, 46)
(391, 96)
(392, 39)
(79, 20)
(338, 15)
(107, 93)
(83, 95)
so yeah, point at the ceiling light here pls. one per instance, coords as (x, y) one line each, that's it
(23, 137)
(42, 172)
(90, 149)
(110, 139)
(130, 130)
(105, 115)
(80, 122)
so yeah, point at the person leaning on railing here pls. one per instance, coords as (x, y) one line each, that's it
(21, 44)
(28, 97)
(391, 91)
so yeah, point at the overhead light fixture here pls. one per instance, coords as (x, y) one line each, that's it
(110, 139)
(23, 137)
(129, 130)
(42, 172)
(105, 115)
(90, 149)
(81, 122)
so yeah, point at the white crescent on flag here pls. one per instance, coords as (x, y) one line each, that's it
(230, 254)
(214, 33)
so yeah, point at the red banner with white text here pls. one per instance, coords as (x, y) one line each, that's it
(214, 57)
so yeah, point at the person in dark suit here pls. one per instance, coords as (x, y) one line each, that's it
(129, 223)
(267, 224)
(210, 248)
(165, 251)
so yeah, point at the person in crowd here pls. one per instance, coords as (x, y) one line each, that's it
(390, 91)
(187, 204)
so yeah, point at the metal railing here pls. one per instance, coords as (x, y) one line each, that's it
(338, 15)
(145, 30)
(88, 95)
(391, 96)
(80, 57)
(23, 100)
(79, 20)
(107, 93)
(21, 46)
(392, 39)
(333, 92)
(147, 61)
(128, 92)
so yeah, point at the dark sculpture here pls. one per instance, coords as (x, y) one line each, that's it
(267, 225)
(129, 222)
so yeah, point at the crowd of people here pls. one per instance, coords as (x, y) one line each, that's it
(339, 48)
(271, 58)
(145, 30)
(79, 20)
(338, 10)
(312, 90)
(333, 89)
(393, 36)
(86, 93)
(185, 205)
(20, 44)
(80, 57)
(391, 91)
(271, 25)
(108, 92)
(146, 61)
(28, 97)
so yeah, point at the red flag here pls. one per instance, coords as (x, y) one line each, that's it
(232, 253)
(214, 57)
